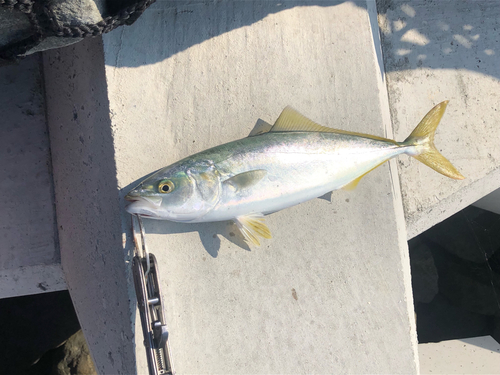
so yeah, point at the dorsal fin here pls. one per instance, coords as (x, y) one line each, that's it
(260, 127)
(292, 121)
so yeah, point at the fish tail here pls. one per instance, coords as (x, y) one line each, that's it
(422, 140)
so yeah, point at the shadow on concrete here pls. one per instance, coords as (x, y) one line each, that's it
(483, 342)
(87, 205)
(440, 35)
(189, 23)
(416, 34)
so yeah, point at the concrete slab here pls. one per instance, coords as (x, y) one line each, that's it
(475, 355)
(22, 281)
(491, 202)
(27, 217)
(87, 202)
(435, 51)
(330, 292)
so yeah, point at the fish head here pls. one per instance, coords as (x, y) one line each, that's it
(182, 192)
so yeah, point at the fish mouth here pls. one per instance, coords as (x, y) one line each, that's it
(156, 201)
(143, 206)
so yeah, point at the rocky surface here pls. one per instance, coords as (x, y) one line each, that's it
(71, 358)
(29, 28)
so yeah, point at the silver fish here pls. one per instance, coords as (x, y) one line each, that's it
(295, 161)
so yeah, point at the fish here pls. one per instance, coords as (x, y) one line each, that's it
(277, 167)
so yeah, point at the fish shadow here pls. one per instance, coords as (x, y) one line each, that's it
(209, 233)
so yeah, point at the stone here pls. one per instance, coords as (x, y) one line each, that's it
(70, 358)
(74, 13)
(76, 358)
(18, 30)
(14, 26)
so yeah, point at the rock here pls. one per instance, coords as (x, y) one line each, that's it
(14, 26)
(74, 13)
(26, 29)
(32, 325)
(77, 12)
(70, 358)
(76, 357)
(73, 357)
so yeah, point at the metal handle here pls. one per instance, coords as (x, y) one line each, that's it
(149, 301)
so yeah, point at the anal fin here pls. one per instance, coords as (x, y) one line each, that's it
(352, 185)
(252, 227)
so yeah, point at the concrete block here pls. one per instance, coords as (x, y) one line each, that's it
(475, 355)
(27, 217)
(23, 280)
(435, 51)
(330, 292)
(87, 202)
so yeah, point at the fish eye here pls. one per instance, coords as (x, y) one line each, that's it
(165, 186)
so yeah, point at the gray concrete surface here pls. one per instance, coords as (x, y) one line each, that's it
(435, 51)
(330, 292)
(29, 256)
(24, 280)
(87, 202)
(475, 355)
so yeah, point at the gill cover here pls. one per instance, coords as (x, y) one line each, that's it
(207, 187)
(184, 191)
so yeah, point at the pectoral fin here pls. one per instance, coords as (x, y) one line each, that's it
(252, 227)
(245, 179)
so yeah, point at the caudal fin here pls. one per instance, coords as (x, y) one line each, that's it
(422, 137)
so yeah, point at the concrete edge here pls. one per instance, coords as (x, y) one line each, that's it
(87, 202)
(24, 281)
(418, 223)
(395, 184)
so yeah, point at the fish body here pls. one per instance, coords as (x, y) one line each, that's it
(291, 168)
(297, 160)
